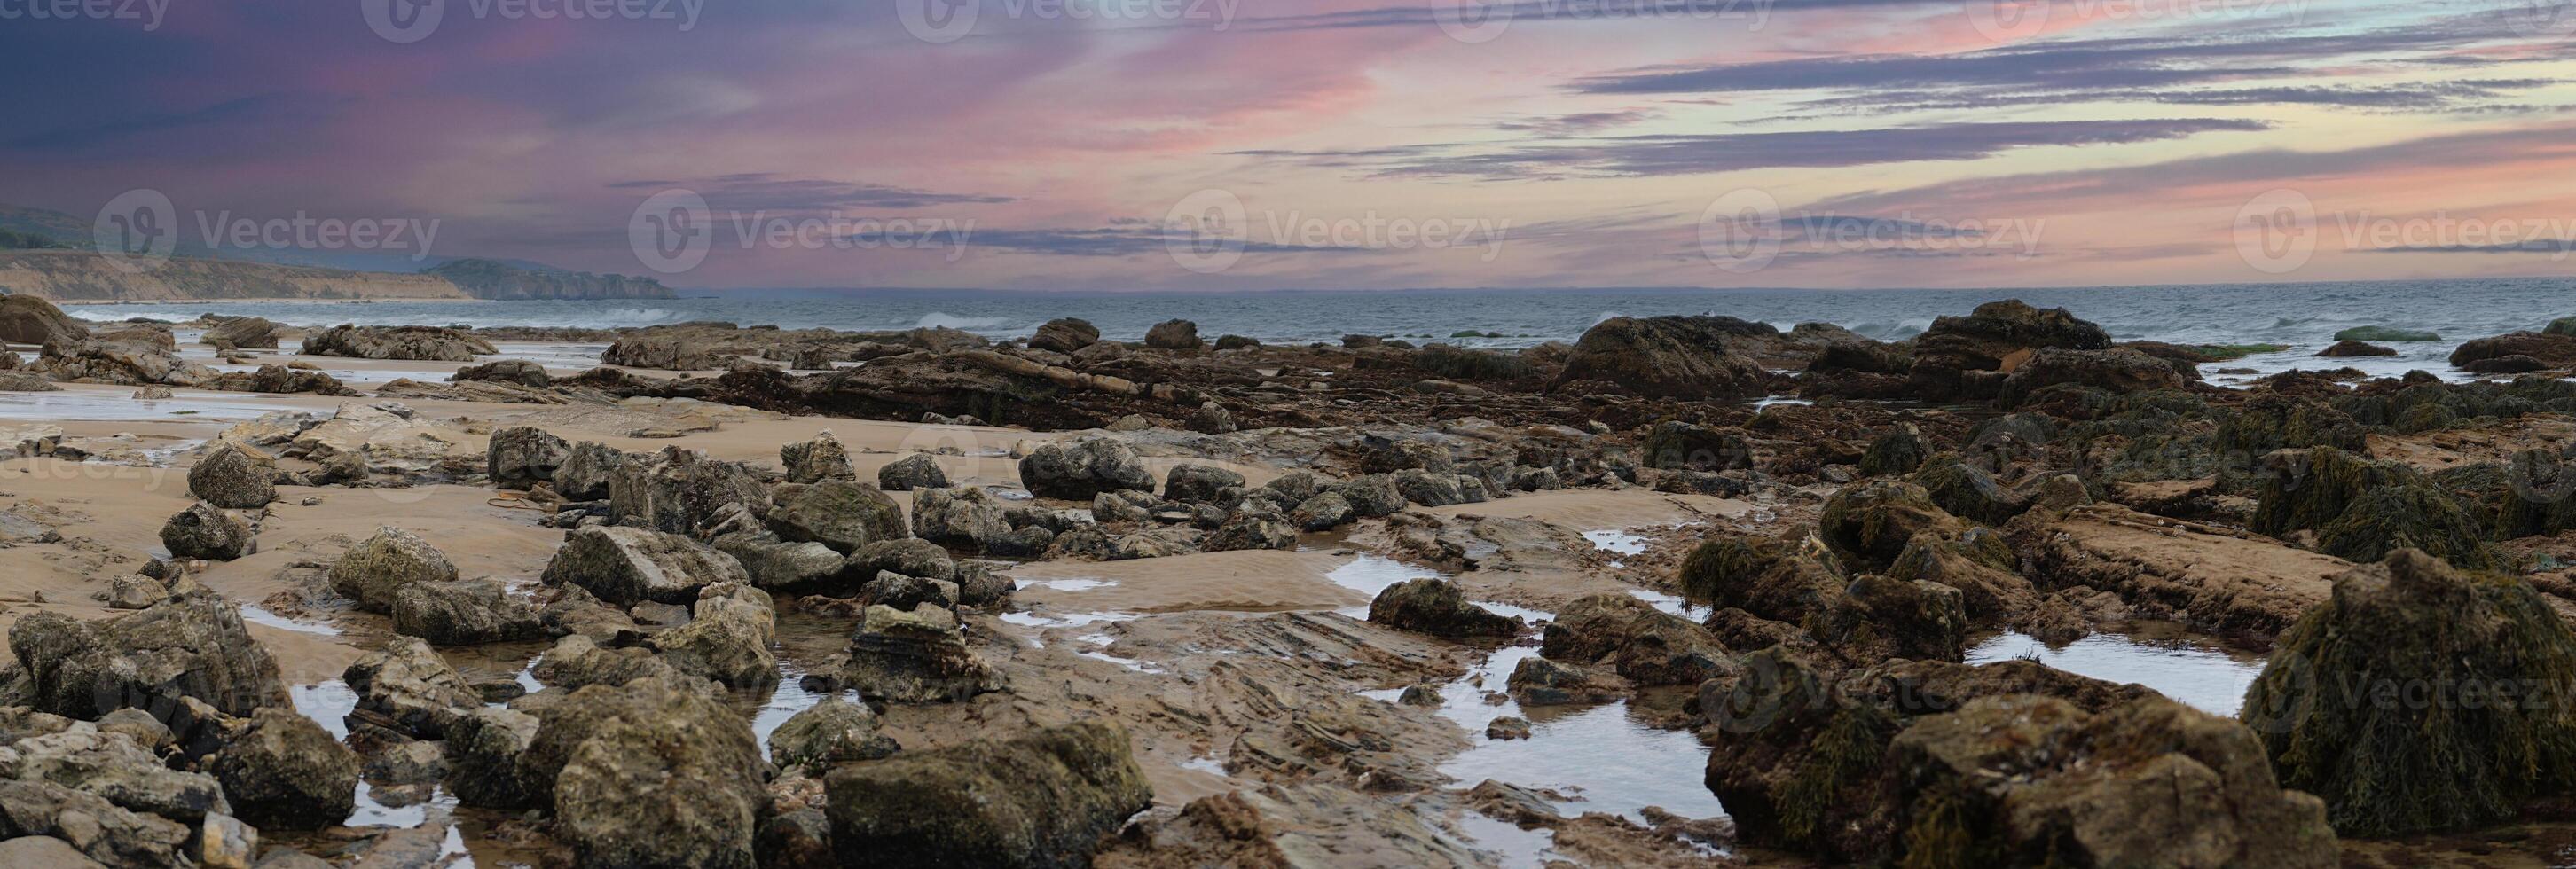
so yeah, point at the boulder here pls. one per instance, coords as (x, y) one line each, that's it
(916, 471)
(680, 491)
(1691, 358)
(1174, 335)
(203, 531)
(835, 731)
(191, 648)
(1371, 497)
(1630, 637)
(27, 319)
(482, 749)
(910, 557)
(1082, 469)
(408, 684)
(464, 613)
(914, 656)
(1869, 524)
(226, 477)
(1198, 484)
(1537, 681)
(626, 566)
(823, 458)
(1968, 357)
(424, 343)
(727, 639)
(92, 826)
(2118, 370)
(2544, 349)
(1065, 335)
(585, 471)
(1438, 608)
(2345, 349)
(1673, 444)
(2420, 698)
(664, 352)
(576, 661)
(113, 766)
(522, 456)
(283, 771)
(518, 371)
(2361, 509)
(1900, 451)
(776, 565)
(372, 571)
(965, 519)
(1252, 527)
(1434, 489)
(838, 513)
(1041, 799)
(1323, 512)
(2216, 580)
(654, 772)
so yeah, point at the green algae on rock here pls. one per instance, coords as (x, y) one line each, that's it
(2420, 698)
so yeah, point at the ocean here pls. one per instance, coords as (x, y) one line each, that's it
(2302, 316)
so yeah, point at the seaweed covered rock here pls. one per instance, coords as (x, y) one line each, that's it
(841, 514)
(1458, 363)
(464, 612)
(1899, 451)
(2420, 698)
(966, 518)
(2118, 370)
(1798, 764)
(1065, 335)
(1970, 356)
(2023, 780)
(2271, 421)
(831, 732)
(1041, 799)
(1869, 524)
(2493, 355)
(1082, 469)
(2362, 510)
(1632, 638)
(226, 477)
(1969, 491)
(2349, 348)
(283, 771)
(392, 558)
(1438, 608)
(655, 772)
(914, 656)
(1671, 357)
(1676, 445)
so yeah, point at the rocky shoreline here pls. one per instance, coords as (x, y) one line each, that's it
(1688, 591)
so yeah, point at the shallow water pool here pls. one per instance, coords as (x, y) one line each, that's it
(2159, 655)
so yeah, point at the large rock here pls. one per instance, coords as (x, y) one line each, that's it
(2362, 509)
(1631, 637)
(226, 477)
(966, 519)
(915, 656)
(522, 456)
(1969, 357)
(1438, 608)
(1677, 445)
(1043, 799)
(249, 332)
(191, 647)
(1870, 524)
(1082, 469)
(204, 531)
(2217, 580)
(2542, 349)
(834, 731)
(423, 343)
(665, 352)
(283, 771)
(91, 825)
(409, 685)
(680, 491)
(841, 514)
(30, 320)
(1174, 335)
(626, 566)
(384, 563)
(823, 458)
(727, 638)
(1065, 335)
(586, 470)
(916, 471)
(2119, 370)
(654, 772)
(519, 371)
(1671, 357)
(464, 613)
(113, 765)
(2419, 698)
(2033, 781)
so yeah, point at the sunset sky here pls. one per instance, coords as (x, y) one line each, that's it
(1239, 144)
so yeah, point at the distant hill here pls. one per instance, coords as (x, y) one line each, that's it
(197, 272)
(497, 280)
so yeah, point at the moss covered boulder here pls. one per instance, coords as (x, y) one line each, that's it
(1899, 451)
(2362, 510)
(1041, 799)
(1869, 524)
(1675, 445)
(1436, 607)
(2421, 697)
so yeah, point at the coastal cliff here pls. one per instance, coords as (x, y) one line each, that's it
(83, 276)
(500, 281)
